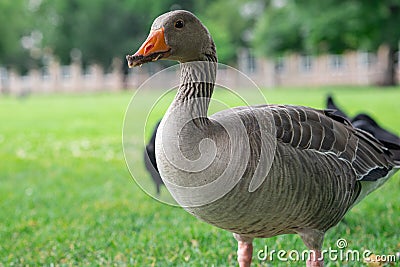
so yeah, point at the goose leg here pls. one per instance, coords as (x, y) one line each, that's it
(245, 250)
(315, 259)
(313, 239)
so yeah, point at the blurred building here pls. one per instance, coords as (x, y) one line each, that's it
(352, 68)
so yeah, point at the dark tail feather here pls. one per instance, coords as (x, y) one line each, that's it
(330, 104)
(397, 158)
(388, 139)
(364, 122)
(150, 160)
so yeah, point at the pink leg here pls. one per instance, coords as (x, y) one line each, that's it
(245, 252)
(315, 259)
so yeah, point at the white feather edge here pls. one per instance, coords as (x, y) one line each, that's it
(368, 187)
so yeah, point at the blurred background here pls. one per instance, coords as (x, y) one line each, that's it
(80, 45)
(66, 195)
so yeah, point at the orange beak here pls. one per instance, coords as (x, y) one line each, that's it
(154, 48)
(154, 43)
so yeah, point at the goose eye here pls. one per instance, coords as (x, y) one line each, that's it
(179, 24)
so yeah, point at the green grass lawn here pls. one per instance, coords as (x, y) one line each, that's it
(67, 197)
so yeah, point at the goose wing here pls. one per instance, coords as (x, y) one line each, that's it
(327, 133)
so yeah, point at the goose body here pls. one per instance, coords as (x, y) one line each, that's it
(313, 180)
(256, 171)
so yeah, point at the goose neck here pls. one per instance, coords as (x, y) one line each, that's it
(196, 87)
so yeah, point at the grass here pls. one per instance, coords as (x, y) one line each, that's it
(67, 197)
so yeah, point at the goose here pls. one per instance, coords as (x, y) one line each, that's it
(330, 104)
(367, 123)
(255, 171)
(150, 160)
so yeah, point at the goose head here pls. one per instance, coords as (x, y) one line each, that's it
(177, 35)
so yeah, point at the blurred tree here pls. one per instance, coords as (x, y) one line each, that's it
(102, 29)
(231, 26)
(15, 22)
(96, 31)
(312, 26)
(99, 30)
(279, 31)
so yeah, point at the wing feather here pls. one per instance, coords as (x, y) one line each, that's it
(322, 131)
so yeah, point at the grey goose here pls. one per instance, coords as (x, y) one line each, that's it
(367, 123)
(314, 165)
(149, 158)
